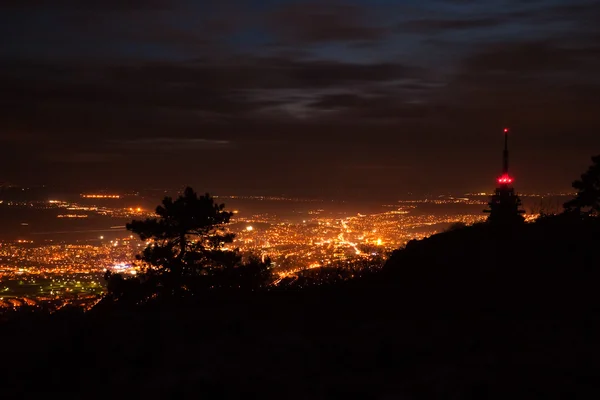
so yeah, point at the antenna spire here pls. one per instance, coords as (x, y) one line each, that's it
(505, 153)
(505, 205)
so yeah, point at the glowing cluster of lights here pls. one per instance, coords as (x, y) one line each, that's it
(505, 180)
(123, 267)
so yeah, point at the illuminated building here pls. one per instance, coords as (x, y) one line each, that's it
(505, 205)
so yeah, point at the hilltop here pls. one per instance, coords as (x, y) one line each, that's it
(552, 261)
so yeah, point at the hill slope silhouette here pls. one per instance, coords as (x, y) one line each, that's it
(551, 261)
(476, 312)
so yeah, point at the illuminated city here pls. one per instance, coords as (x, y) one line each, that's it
(307, 234)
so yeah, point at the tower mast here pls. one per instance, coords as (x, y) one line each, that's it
(505, 205)
(505, 153)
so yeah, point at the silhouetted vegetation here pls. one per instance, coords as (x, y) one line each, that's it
(587, 199)
(185, 254)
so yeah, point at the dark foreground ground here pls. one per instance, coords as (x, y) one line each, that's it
(471, 314)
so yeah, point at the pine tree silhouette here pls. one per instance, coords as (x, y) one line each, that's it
(587, 199)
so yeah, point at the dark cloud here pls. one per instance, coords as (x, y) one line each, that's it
(381, 108)
(543, 88)
(440, 25)
(581, 11)
(88, 5)
(264, 73)
(517, 14)
(171, 143)
(533, 57)
(106, 97)
(319, 22)
(336, 101)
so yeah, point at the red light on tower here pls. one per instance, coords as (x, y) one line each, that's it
(505, 130)
(505, 179)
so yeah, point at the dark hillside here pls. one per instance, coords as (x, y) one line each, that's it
(552, 261)
(472, 313)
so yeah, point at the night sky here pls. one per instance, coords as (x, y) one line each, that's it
(368, 98)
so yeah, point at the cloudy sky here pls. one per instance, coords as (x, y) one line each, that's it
(317, 98)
